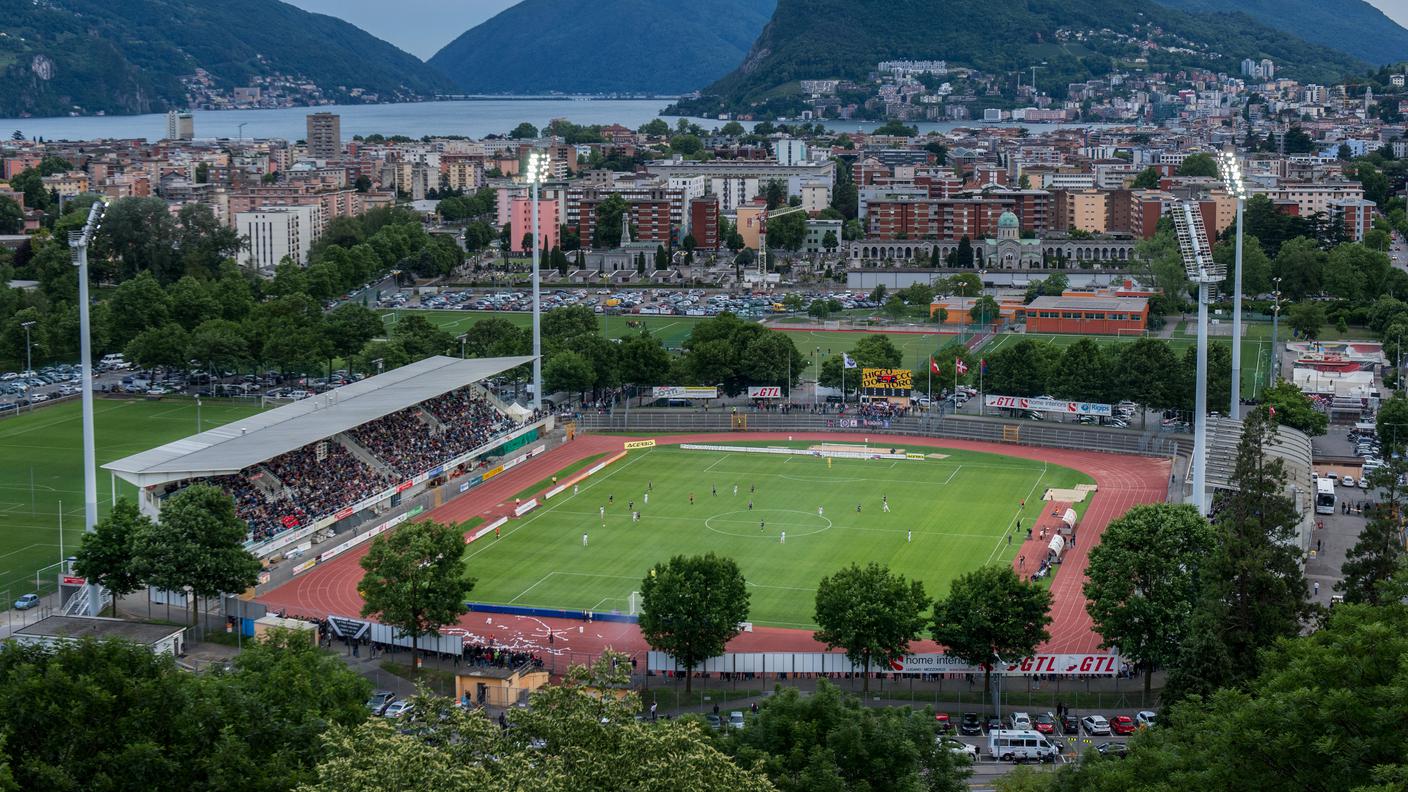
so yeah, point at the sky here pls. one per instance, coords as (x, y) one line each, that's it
(422, 27)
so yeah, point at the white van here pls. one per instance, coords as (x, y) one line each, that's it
(1012, 745)
(113, 361)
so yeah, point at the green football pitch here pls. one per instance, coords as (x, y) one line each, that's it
(41, 466)
(947, 516)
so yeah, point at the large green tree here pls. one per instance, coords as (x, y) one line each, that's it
(197, 546)
(1142, 582)
(414, 579)
(1199, 164)
(108, 556)
(691, 607)
(830, 740)
(990, 613)
(871, 612)
(1294, 409)
(1253, 590)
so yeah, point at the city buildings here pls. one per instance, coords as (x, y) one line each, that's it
(324, 136)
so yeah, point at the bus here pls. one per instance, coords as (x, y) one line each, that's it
(1324, 495)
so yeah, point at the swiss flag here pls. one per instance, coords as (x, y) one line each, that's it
(960, 366)
(933, 365)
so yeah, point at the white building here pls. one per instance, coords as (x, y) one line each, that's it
(816, 196)
(275, 232)
(180, 126)
(789, 152)
(733, 191)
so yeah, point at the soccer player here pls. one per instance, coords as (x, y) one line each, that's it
(691, 499)
(750, 504)
(761, 526)
(783, 540)
(820, 512)
(631, 505)
(857, 508)
(647, 499)
(735, 489)
(602, 510)
(909, 536)
(584, 539)
(884, 504)
(714, 489)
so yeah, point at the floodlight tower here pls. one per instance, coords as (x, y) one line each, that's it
(536, 174)
(1202, 270)
(78, 242)
(1237, 188)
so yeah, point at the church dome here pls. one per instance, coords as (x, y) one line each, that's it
(1007, 220)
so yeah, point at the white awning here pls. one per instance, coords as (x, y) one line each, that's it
(1058, 544)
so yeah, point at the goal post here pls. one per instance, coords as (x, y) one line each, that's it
(1131, 333)
(633, 603)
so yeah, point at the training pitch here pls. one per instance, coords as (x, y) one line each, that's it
(947, 516)
(41, 465)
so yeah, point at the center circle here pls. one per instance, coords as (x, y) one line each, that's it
(745, 523)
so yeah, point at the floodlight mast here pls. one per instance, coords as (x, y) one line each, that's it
(1237, 188)
(1204, 271)
(537, 173)
(78, 244)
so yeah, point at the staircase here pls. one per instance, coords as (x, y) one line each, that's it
(364, 456)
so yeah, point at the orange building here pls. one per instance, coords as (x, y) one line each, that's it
(1088, 315)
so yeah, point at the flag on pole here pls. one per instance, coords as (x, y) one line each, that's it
(1271, 408)
(983, 365)
(847, 360)
(933, 365)
(959, 366)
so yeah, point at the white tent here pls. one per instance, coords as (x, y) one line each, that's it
(518, 412)
(1057, 546)
(1069, 518)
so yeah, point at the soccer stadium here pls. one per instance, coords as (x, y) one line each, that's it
(565, 513)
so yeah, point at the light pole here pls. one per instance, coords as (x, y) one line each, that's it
(28, 361)
(1237, 188)
(537, 173)
(461, 339)
(378, 362)
(198, 424)
(1275, 321)
(1204, 271)
(78, 242)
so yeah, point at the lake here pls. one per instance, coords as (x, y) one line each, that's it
(472, 118)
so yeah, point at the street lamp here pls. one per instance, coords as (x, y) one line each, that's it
(1237, 188)
(535, 174)
(28, 361)
(461, 339)
(1275, 321)
(1204, 271)
(78, 242)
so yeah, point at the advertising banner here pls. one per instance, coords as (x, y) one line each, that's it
(836, 663)
(898, 379)
(683, 392)
(1048, 405)
(635, 445)
(765, 392)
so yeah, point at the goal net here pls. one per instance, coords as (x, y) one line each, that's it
(633, 602)
(1129, 332)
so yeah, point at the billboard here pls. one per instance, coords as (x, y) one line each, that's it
(683, 392)
(886, 383)
(1048, 405)
(765, 392)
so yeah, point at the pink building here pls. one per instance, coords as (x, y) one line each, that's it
(521, 222)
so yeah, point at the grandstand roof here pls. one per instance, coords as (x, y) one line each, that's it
(249, 441)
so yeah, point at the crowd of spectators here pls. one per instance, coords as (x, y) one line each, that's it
(410, 442)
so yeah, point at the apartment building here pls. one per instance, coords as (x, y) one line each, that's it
(275, 233)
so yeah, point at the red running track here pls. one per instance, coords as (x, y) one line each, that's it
(1122, 482)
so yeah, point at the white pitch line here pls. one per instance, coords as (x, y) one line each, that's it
(1013, 521)
(951, 475)
(530, 588)
(716, 461)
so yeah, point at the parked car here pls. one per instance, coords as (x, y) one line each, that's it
(1046, 723)
(27, 601)
(1145, 719)
(735, 719)
(1122, 725)
(397, 708)
(714, 721)
(971, 724)
(1021, 721)
(379, 701)
(992, 724)
(1095, 725)
(1347, 481)
(943, 723)
(1118, 750)
(963, 749)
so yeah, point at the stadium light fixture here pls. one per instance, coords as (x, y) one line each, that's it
(1237, 188)
(1204, 271)
(78, 243)
(535, 174)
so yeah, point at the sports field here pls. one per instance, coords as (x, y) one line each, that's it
(947, 516)
(41, 465)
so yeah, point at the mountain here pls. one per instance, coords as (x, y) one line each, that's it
(1351, 26)
(604, 46)
(139, 56)
(1071, 40)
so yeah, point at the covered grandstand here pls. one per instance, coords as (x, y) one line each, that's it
(308, 469)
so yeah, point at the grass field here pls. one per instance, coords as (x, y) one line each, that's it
(959, 509)
(41, 465)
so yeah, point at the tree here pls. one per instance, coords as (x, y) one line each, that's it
(963, 255)
(1200, 164)
(159, 347)
(984, 310)
(830, 740)
(138, 304)
(897, 129)
(577, 735)
(607, 232)
(788, 232)
(350, 326)
(413, 579)
(524, 131)
(568, 371)
(1025, 368)
(691, 607)
(989, 614)
(1086, 372)
(108, 556)
(1142, 581)
(11, 217)
(775, 193)
(1307, 318)
(1377, 555)
(419, 337)
(197, 546)
(1148, 179)
(869, 612)
(1256, 266)
(1294, 409)
(362, 184)
(220, 344)
(139, 234)
(1149, 373)
(877, 351)
(829, 242)
(644, 360)
(1300, 265)
(1391, 426)
(1253, 589)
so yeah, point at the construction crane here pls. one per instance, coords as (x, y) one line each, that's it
(763, 233)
